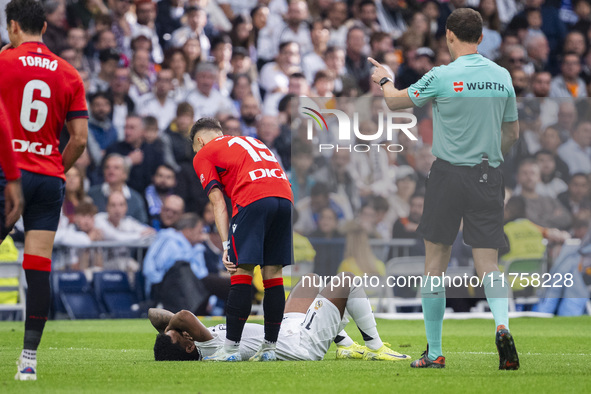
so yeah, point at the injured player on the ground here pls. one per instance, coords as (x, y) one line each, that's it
(313, 319)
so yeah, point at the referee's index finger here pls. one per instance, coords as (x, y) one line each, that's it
(374, 62)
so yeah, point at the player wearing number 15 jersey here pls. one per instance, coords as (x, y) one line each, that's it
(260, 230)
(41, 92)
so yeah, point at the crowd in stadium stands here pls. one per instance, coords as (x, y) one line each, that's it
(151, 68)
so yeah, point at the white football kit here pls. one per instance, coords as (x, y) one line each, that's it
(303, 337)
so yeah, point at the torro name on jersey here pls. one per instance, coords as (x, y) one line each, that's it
(36, 61)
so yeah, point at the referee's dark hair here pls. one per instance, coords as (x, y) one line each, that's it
(466, 24)
(204, 124)
(29, 14)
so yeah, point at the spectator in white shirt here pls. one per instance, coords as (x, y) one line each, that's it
(146, 26)
(116, 225)
(207, 100)
(313, 61)
(274, 76)
(196, 21)
(159, 103)
(576, 151)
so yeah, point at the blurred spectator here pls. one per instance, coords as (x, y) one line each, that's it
(337, 18)
(542, 210)
(141, 158)
(116, 173)
(181, 80)
(359, 257)
(356, 57)
(406, 227)
(221, 54)
(309, 208)
(173, 207)
(576, 151)
(576, 198)
(418, 34)
(142, 77)
(193, 54)
(145, 25)
(274, 76)
(568, 83)
(231, 126)
(196, 19)
(567, 119)
(491, 40)
(406, 185)
(368, 16)
(102, 133)
(418, 62)
(551, 185)
(538, 51)
(121, 26)
(183, 244)
(524, 238)
(249, 115)
(168, 18)
(206, 99)
(300, 175)
(267, 132)
(550, 141)
(162, 186)
(123, 105)
(74, 193)
(297, 85)
(339, 178)
(367, 218)
(117, 226)
(384, 216)
(103, 79)
(159, 103)
(55, 34)
(294, 28)
(313, 61)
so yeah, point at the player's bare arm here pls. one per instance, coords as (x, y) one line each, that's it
(509, 135)
(395, 99)
(14, 204)
(220, 211)
(78, 129)
(159, 318)
(185, 321)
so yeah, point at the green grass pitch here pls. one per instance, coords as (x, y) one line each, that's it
(116, 356)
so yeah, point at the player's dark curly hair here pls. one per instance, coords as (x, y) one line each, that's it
(165, 350)
(466, 24)
(29, 14)
(204, 124)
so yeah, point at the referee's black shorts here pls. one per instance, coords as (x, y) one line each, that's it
(454, 193)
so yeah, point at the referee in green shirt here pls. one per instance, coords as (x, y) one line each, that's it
(474, 124)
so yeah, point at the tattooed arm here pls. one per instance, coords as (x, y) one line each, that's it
(159, 318)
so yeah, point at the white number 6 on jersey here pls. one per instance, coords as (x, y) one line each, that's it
(29, 105)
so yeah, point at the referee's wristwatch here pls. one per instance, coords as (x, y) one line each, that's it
(384, 81)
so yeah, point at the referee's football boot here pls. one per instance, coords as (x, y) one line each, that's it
(426, 362)
(265, 353)
(352, 352)
(508, 358)
(222, 355)
(384, 354)
(27, 369)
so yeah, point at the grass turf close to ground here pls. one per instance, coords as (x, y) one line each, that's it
(116, 356)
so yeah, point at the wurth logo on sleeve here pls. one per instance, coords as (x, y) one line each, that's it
(416, 93)
(458, 86)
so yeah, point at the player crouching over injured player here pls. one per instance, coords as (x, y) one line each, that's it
(313, 319)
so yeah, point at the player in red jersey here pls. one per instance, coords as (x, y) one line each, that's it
(11, 202)
(41, 92)
(259, 232)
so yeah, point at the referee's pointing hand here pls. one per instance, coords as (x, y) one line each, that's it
(379, 72)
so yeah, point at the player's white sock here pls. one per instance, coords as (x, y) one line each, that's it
(343, 339)
(231, 346)
(29, 354)
(359, 308)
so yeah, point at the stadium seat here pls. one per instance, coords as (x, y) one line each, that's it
(113, 290)
(524, 268)
(73, 296)
(407, 296)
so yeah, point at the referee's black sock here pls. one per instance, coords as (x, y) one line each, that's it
(37, 270)
(273, 306)
(238, 306)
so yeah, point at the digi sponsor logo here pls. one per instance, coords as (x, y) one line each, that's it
(31, 147)
(458, 86)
